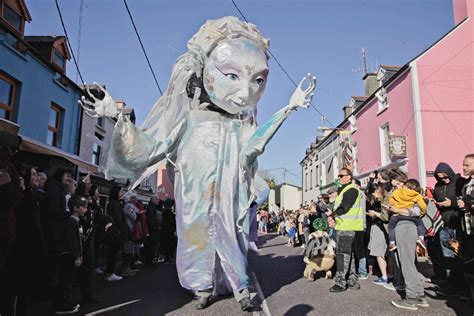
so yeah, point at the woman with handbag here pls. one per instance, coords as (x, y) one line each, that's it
(116, 234)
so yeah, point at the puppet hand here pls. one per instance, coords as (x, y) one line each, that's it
(105, 107)
(302, 98)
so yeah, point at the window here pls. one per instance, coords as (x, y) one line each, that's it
(54, 125)
(100, 121)
(306, 181)
(96, 150)
(14, 19)
(7, 96)
(59, 59)
(384, 152)
(311, 179)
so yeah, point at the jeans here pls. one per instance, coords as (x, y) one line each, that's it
(446, 234)
(362, 270)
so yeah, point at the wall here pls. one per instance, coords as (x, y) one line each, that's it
(445, 82)
(37, 90)
(290, 197)
(399, 116)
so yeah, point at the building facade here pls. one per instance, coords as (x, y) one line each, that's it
(284, 196)
(417, 115)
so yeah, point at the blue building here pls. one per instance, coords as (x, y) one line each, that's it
(35, 92)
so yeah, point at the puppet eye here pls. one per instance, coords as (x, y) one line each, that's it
(259, 81)
(232, 76)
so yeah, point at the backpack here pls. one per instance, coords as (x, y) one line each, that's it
(432, 219)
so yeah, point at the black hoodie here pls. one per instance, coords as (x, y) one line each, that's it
(451, 190)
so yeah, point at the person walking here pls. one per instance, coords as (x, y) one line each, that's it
(349, 217)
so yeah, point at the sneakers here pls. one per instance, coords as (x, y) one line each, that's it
(246, 304)
(336, 289)
(67, 309)
(127, 272)
(354, 287)
(113, 277)
(363, 276)
(99, 271)
(389, 286)
(381, 281)
(405, 304)
(421, 301)
(138, 262)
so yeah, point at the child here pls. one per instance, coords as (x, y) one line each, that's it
(407, 197)
(70, 256)
(292, 232)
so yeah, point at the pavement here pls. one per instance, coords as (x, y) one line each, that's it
(278, 288)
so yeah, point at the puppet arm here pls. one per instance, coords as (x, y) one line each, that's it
(260, 138)
(132, 150)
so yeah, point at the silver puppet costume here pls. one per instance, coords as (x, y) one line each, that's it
(212, 156)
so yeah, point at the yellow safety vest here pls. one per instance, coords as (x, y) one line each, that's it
(353, 220)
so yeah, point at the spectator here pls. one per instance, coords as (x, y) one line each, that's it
(446, 191)
(90, 222)
(154, 228)
(378, 234)
(168, 231)
(130, 214)
(117, 234)
(70, 255)
(11, 192)
(406, 237)
(29, 252)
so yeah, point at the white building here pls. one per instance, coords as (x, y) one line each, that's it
(284, 196)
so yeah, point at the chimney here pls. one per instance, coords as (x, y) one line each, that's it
(370, 83)
(347, 111)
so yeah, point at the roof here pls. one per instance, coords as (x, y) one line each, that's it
(391, 68)
(360, 98)
(24, 10)
(397, 74)
(47, 41)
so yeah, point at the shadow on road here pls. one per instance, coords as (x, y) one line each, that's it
(275, 271)
(301, 309)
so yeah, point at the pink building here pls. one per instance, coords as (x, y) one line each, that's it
(428, 102)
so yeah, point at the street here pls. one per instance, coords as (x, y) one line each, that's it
(280, 290)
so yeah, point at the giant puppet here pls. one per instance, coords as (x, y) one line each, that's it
(205, 127)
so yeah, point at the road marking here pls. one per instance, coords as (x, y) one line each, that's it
(111, 308)
(265, 309)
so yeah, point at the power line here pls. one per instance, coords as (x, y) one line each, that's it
(141, 44)
(323, 117)
(81, 9)
(68, 42)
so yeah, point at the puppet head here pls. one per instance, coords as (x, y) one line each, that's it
(233, 57)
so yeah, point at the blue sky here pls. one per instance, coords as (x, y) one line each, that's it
(323, 37)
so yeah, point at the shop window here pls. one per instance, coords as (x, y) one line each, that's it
(7, 96)
(54, 125)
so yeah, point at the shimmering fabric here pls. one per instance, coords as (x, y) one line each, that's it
(215, 164)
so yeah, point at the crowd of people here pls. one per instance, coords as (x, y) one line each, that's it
(379, 230)
(55, 236)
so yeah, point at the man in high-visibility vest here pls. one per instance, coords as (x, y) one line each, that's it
(349, 216)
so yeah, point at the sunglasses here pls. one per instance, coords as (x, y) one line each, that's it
(443, 178)
(342, 175)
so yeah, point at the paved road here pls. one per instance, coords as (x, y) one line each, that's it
(280, 290)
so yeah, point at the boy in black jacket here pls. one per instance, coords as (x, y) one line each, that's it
(70, 256)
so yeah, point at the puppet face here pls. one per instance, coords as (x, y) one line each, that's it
(235, 75)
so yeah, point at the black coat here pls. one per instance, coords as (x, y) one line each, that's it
(452, 190)
(54, 213)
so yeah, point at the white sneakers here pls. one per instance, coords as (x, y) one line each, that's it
(253, 246)
(113, 277)
(99, 271)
